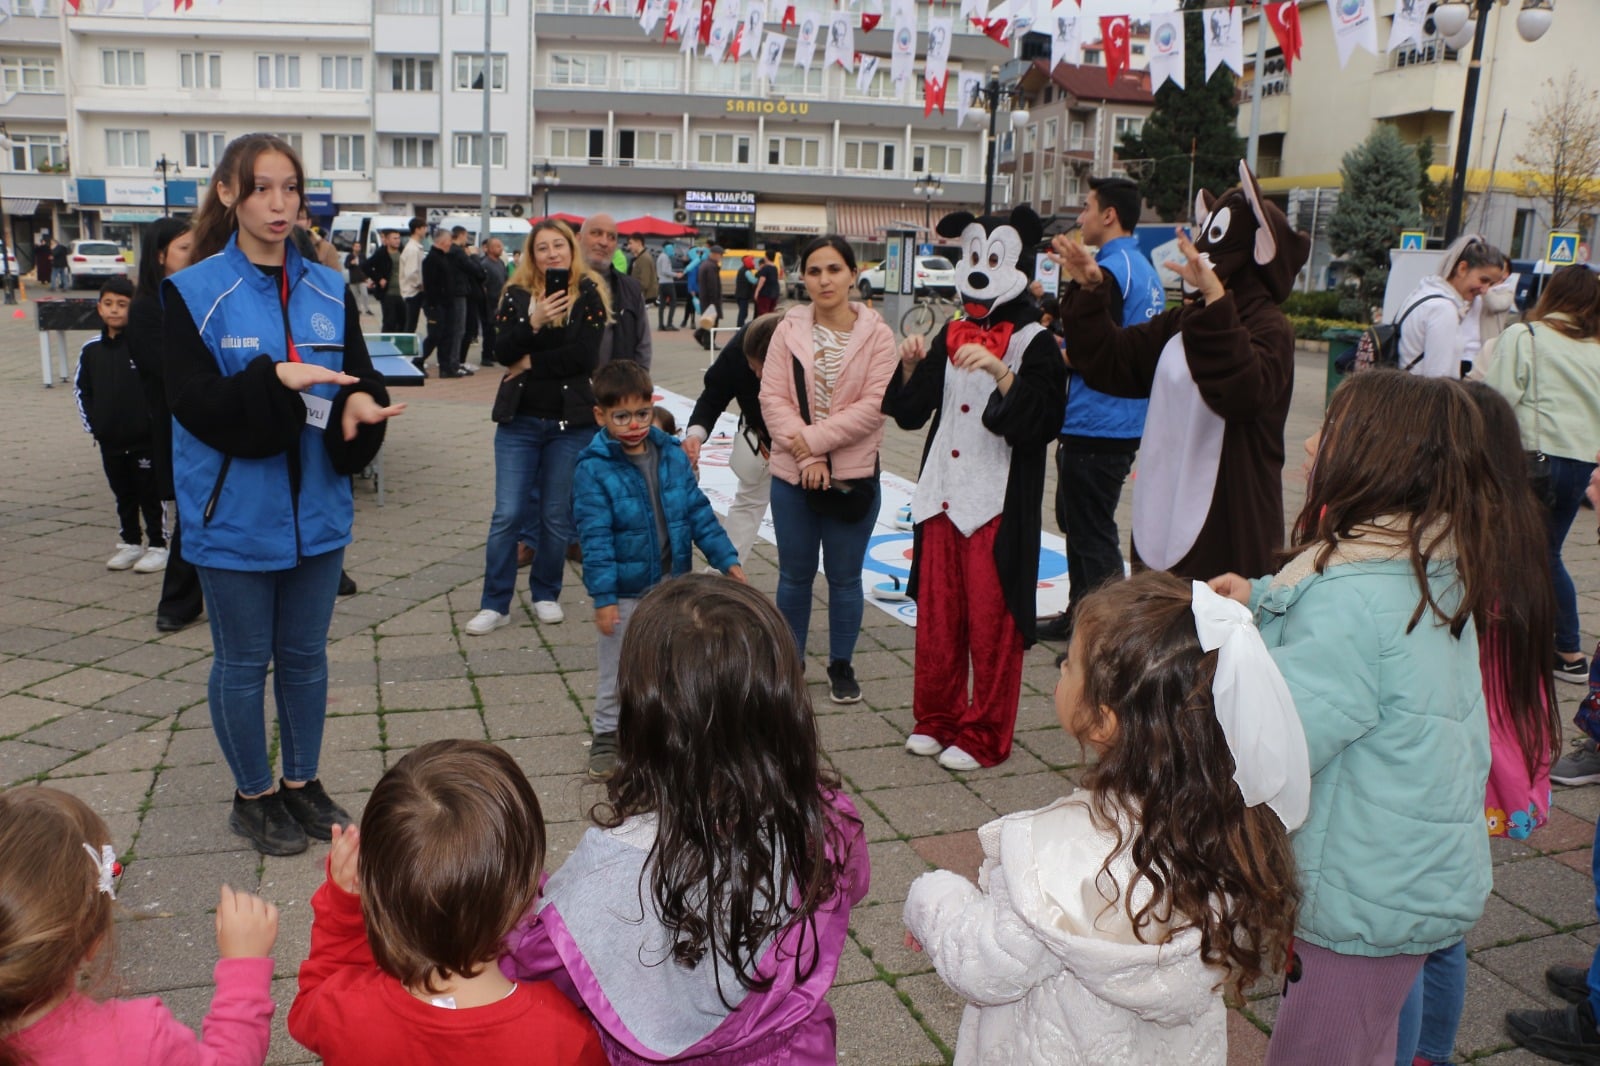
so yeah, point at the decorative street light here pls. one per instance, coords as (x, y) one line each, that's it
(545, 177)
(7, 280)
(163, 165)
(994, 95)
(1454, 19)
(928, 187)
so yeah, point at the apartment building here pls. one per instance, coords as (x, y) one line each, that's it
(34, 164)
(1311, 118)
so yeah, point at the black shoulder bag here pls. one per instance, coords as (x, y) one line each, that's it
(847, 499)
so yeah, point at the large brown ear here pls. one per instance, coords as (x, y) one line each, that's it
(1266, 240)
(1203, 203)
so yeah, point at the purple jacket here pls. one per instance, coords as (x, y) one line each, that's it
(591, 938)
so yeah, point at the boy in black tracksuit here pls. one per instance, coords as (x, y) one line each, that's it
(111, 403)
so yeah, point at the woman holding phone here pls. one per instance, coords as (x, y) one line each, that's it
(551, 320)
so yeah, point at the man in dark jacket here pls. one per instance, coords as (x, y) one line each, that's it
(642, 268)
(495, 271)
(437, 303)
(383, 281)
(465, 280)
(710, 282)
(628, 336)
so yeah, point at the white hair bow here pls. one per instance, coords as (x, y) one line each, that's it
(1255, 710)
(107, 866)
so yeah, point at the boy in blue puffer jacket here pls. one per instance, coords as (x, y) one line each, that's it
(640, 514)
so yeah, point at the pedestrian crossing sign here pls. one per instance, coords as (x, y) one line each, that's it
(1563, 248)
(1413, 240)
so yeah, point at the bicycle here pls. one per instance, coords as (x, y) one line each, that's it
(931, 311)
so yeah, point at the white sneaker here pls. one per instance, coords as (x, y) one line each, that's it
(153, 561)
(486, 621)
(549, 612)
(953, 758)
(127, 555)
(921, 744)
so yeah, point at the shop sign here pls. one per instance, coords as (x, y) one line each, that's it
(765, 107)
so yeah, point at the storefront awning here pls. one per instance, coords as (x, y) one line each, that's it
(866, 222)
(17, 205)
(129, 216)
(797, 220)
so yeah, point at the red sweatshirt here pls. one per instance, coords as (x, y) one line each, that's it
(352, 1013)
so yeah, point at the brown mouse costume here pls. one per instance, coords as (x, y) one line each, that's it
(1208, 498)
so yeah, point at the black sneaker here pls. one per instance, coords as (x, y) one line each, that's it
(842, 686)
(420, 363)
(347, 584)
(1056, 630)
(1573, 670)
(603, 756)
(312, 807)
(168, 624)
(1571, 983)
(1566, 1034)
(266, 822)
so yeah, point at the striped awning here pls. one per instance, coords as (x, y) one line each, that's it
(867, 222)
(20, 205)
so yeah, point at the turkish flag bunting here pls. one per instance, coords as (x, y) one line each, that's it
(869, 21)
(672, 10)
(708, 10)
(933, 95)
(1114, 30)
(1284, 18)
(788, 18)
(73, 4)
(997, 30)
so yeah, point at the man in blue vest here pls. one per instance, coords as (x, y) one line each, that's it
(1100, 435)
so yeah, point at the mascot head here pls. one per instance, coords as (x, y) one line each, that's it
(1243, 233)
(994, 267)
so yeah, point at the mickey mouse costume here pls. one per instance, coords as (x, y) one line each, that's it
(1209, 494)
(975, 561)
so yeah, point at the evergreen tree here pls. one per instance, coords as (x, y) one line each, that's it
(1381, 178)
(1203, 115)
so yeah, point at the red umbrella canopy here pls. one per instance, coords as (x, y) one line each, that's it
(560, 216)
(651, 226)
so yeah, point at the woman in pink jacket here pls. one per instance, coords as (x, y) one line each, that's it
(821, 395)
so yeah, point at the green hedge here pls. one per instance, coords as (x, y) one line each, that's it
(1313, 304)
(1308, 328)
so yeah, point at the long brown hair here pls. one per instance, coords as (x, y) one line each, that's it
(52, 912)
(718, 741)
(529, 276)
(215, 222)
(1400, 446)
(1573, 293)
(1516, 633)
(1212, 863)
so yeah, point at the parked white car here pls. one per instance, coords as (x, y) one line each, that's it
(94, 261)
(931, 272)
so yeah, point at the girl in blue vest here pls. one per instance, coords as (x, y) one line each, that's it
(275, 404)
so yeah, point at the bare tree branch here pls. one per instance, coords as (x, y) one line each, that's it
(1561, 165)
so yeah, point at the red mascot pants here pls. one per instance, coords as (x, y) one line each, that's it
(961, 615)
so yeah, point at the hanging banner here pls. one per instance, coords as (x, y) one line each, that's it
(654, 12)
(904, 53)
(755, 17)
(1355, 25)
(841, 46)
(974, 11)
(1224, 40)
(1024, 14)
(936, 67)
(903, 9)
(1114, 38)
(1284, 18)
(723, 27)
(690, 12)
(870, 20)
(1410, 18)
(969, 98)
(866, 70)
(1166, 50)
(1066, 44)
(708, 15)
(788, 18)
(805, 46)
(771, 57)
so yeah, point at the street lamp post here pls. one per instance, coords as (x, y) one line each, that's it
(1451, 18)
(928, 186)
(545, 177)
(7, 280)
(163, 165)
(993, 95)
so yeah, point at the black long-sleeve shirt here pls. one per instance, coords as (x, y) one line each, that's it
(729, 378)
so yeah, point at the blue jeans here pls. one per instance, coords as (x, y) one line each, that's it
(1568, 480)
(276, 617)
(1432, 1012)
(531, 452)
(1594, 966)
(801, 533)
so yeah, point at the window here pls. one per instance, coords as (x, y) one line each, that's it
(199, 70)
(568, 68)
(650, 73)
(410, 7)
(344, 151)
(475, 7)
(127, 148)
(1071, 188)
(644, 146)
(469, 150)
(794, 81)
(412, 151)
(1027, 189)
(1122, 125)
(203, 149)
(32, 151)
(294, 141)
(277, 71)
(879, 88)
(730, 148)
(794, 152)
(937, 159)
(342, 73)
(731, 78)
(1075, 136)
(1030, 138)
(411, 75)
(1050, 127)
(469, 72)
(578, 143)
(28, 74)
(1522, 244)
(870, 157)
(121, 66)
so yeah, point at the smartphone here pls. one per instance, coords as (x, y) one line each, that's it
(556, 279)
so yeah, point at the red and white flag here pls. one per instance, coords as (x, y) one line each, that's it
(936, 67)
(841, 45)
(1284, 18)
(1114, 35)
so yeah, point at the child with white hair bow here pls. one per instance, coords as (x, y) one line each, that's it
(1105, 927)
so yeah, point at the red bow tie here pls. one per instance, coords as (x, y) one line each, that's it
(995, 339)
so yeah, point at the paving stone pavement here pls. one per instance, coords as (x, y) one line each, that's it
(95, 701)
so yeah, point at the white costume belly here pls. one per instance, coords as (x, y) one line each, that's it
(1178, 462)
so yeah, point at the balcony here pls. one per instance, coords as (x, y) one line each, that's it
(1418, 78)
(308, 102)
(407, 113)
(24, 107)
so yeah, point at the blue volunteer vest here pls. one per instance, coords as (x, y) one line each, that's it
(1091, 413)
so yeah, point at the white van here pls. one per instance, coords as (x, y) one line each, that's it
(512, 231)
(346, 228)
